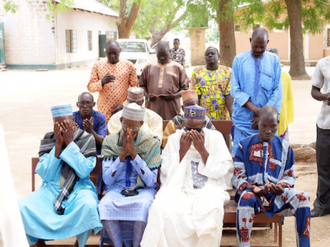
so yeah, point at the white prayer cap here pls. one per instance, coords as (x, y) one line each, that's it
(133, 112)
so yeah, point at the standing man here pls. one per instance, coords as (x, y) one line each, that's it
(111, 79)
(178, 54)
(131, 158)
(321, 80)
(255, 82)
(264, 177)
(163, 81)
(196, 172)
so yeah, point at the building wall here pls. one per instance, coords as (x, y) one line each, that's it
(29, 37)
(81, 22)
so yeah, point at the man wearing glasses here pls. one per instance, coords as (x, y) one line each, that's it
(93, 122)
(195, 174)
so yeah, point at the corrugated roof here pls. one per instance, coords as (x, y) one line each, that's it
(93, 6)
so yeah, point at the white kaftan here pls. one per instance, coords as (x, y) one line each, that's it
(182, 216)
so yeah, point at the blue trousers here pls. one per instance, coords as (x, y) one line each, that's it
(291, 202)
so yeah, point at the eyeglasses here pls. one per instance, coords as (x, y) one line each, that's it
(134, 128)
(85, 103)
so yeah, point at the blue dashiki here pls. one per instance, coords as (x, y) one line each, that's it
(259, 163)
(257, 80)
(37, 209)
(115, 206)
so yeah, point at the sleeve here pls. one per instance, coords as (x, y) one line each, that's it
(169, 130)
(114, 123)
(133, 81)
(183, 80)
(239, 179)
(236, 92)
(318, 78)
(194, 83)
(156, 126)
(144, 78)
(219, 164)
(228, 79)
(102, 130)
(82, 165)
(149, 177)
(289, 176)
(48, 166)
(277, 94)
(111, 170)
(183, 61)
(94, 84)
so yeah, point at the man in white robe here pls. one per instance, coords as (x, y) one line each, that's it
(196, 171)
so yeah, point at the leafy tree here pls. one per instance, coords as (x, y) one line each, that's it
(9, 6)
(300, 16)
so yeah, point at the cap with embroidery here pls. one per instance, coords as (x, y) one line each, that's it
(61, 110)
(194, 111)
(135, 94)
(133, 111)
(189, 94)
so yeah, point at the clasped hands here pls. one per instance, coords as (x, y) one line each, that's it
(128, 145)
(168, 96)
(194, 137)
(63, 133)
(275, 189)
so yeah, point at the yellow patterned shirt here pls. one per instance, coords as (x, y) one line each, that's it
(213, 86)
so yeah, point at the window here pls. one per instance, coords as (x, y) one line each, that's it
(90, 40)
(256, 26)
(71, 41)
(328, 37)
(111, 35)
(237, 28)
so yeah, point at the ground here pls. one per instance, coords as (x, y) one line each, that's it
(26, 98)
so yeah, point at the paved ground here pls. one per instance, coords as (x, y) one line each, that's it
(26, 97)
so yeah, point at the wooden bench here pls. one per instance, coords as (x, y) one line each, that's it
(260, 220)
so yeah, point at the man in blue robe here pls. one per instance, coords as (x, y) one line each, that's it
(256, 81)
(93, 122)
(66, 203)
(131, 158)
(264, 177)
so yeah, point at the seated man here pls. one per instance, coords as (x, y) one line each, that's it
(264, 176)
(93, 122)
(196, 172)
(131, 159)
(153, 123)
(189, 98)
(66, 203)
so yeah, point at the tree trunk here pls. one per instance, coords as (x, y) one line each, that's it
(227, 33)
(297, 60)
(125, 23)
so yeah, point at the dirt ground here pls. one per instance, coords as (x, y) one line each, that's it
(26, 98)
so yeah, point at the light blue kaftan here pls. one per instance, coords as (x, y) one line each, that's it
(80, 216)
(115, 206)
(257, 80)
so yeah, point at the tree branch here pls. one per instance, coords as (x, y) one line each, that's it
(133, 13)
(122, 11)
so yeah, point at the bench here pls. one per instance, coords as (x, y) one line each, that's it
(260, 220)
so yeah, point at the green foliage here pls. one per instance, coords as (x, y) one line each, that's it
(273, 14)
(57, 8)
(212, 35)
(9, 6)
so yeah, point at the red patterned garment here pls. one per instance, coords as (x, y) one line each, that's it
(112, 94)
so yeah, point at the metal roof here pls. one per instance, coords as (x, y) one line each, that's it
(93, 6)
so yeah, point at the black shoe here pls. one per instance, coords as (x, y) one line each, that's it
(315, 214)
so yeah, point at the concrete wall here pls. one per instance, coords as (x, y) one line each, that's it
(29, 37)
(81, 22)
(197, 44)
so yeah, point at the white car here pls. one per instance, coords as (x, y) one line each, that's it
(137, 51)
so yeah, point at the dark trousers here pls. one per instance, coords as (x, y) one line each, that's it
(322, 202)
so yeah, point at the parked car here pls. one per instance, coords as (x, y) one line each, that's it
(138, 51)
